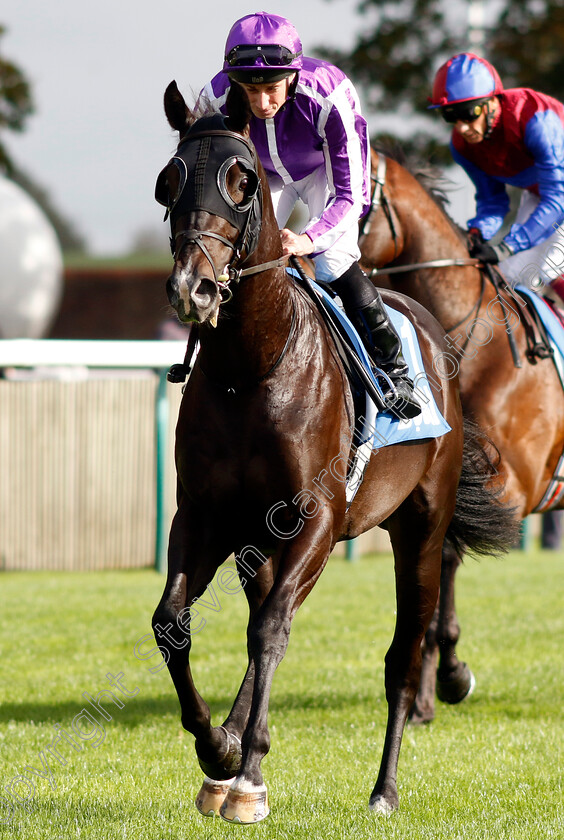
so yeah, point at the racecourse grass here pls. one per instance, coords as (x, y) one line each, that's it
(489, 769)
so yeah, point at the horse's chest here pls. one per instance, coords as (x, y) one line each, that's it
(231, 468)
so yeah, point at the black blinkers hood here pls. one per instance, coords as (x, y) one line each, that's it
(203, 158)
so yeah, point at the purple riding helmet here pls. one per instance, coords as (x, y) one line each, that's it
(262, 48)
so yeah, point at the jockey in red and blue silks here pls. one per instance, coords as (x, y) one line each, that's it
(511, 137)
(312, 141)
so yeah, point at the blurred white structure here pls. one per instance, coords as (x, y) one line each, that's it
(31, 265)
(476, 26)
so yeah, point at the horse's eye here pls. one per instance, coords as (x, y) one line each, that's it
(237, 185)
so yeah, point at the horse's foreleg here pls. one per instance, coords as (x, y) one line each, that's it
(455, 680)
(417, 569)
(300, 565)
(211, 796)
(190, 572)
(256, 587)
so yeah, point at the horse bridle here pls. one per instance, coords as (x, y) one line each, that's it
(379, 199)
(245, 244)
(247, 241)
(230, 274)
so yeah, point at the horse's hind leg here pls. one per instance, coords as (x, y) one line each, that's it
(417, 567)
(454, 680)
(423, 709)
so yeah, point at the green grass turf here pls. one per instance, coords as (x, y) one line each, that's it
(488, 769)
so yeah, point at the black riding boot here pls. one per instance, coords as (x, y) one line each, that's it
(384, 348)
(365, 308)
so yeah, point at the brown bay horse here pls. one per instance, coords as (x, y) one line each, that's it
(521, 409)
(266, 416)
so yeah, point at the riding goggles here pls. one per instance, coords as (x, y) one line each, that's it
(463, 111)
(271, 55)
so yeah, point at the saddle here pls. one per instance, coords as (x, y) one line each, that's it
(538, 340)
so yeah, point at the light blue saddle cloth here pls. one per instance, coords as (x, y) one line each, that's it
(552, 325)
(555, 332)
(378, 429)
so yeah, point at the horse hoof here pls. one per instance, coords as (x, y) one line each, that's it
(421, 715)
(245, 807)
(380, 805)
(212, 795)
(225, 768)
(458, 687)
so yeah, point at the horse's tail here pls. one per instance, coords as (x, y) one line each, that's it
(481, 523)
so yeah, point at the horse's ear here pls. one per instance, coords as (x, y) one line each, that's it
(177, 112)
(238, 109)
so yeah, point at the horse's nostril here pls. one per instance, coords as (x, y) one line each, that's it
(171, 290)
(203, 292)
(193, 297)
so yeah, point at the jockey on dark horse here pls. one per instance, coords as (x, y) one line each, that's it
(511, 137)
(312, 142)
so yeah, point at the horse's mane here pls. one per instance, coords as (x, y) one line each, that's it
(238, 110)
(431, 178)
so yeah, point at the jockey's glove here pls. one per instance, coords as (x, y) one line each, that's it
(487, 253)
(473, 237)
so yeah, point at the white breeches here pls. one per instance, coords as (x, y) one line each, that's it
(314, 193)
(539, 265)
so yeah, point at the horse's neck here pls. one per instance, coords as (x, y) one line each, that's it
(252, 330)
(254, 326)
(449, 293)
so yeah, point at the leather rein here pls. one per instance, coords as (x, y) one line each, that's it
(536, 347)
(379, 199)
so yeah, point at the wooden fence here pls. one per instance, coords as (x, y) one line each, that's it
(80, 482)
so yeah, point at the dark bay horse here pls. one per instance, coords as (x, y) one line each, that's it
(264, 427)
(520, 409)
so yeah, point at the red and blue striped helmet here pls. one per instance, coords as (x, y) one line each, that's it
(262, 48)
(462, 78)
